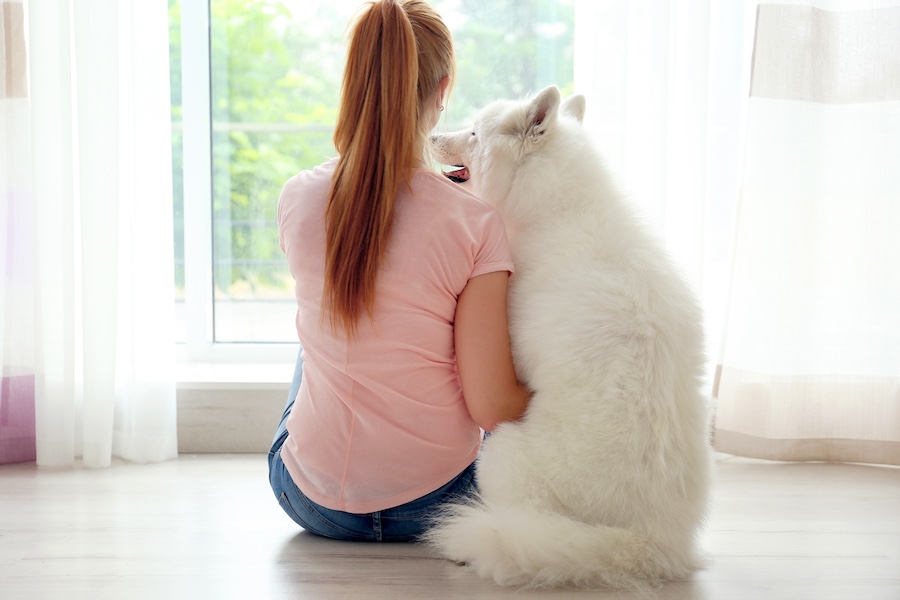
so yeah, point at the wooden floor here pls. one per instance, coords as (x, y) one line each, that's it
(208, 527)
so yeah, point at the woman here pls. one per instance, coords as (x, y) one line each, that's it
(401, 281)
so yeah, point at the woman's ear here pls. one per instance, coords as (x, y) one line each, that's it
(442, 86)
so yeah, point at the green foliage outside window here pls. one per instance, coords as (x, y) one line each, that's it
(276, 71)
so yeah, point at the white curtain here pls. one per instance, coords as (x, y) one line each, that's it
(762, 141)
(666, 82)
(100, 186)
(16, 281)
(811, 360)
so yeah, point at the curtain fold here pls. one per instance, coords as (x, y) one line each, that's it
(665, 83)
(16, 270)
(810, 367)
(101, 182)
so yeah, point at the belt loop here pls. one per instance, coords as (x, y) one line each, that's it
(376, 525)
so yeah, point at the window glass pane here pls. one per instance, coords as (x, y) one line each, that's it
(275, 83)
(507, 49)
(275, 74)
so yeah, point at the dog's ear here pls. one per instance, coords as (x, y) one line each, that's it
(574, 106)
(542, 112)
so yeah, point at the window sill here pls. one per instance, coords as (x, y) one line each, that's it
(241, 376)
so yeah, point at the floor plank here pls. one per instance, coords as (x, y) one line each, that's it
(207, 526)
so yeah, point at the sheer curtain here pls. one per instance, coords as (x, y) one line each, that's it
(99, 189)
(762, 141)
(666, 82)
(811, 359)
(16, 282)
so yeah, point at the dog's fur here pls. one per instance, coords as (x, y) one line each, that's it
(604, 482)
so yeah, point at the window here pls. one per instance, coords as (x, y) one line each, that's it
(255, 87)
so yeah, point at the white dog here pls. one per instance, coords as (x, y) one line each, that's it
(605, 480)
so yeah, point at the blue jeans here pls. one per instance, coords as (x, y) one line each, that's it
(402, 523)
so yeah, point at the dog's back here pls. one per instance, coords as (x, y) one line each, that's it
(604, 482)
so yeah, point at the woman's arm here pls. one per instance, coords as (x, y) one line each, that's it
(492, 391)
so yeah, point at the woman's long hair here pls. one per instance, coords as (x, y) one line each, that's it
(398, 53)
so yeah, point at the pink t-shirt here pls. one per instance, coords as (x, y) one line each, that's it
(381, 421)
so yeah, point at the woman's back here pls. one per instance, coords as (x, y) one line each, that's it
(380, 418)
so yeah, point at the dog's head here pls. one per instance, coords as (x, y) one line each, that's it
(510, 145)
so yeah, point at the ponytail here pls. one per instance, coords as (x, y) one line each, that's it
(379, 139)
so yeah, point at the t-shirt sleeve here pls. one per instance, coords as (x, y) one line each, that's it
(493, 254)
(302, 188)
(284, 199)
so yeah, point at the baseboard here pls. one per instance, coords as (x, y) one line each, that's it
(219, 420)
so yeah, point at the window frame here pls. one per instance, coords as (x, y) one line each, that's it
(199, 287)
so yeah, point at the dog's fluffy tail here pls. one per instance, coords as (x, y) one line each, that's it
(518, 546)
